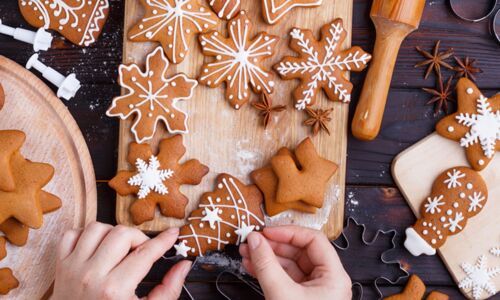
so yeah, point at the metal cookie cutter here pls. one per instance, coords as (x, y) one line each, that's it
(390, 233)
(495, 30)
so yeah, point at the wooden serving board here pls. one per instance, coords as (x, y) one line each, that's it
(233, 141)
(52, 136)
(415, 170)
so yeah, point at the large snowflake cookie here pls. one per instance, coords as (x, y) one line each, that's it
(79, 21)
(157, 178)
(274, 10)
(237, 61)
(457, 195)
(321, 64)
(152, 97)
(225, 216)
(476, 124)
(479, 278)
(225, 9)
(173, 23)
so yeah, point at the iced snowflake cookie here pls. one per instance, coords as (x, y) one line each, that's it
(476, 124)
(321, 64)
(152, 97)
(274, 10)
(457, 195)
(173, 23)
(225, 9)
(225, 216)
(238, 61)
(157, 178)
(479, 278)
(81, 22)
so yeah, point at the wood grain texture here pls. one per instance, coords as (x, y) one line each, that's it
(53, 137)
(415, 170)
(234, 141)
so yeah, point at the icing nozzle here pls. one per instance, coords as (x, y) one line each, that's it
(68, 85)
(41, 39)
(416, 245)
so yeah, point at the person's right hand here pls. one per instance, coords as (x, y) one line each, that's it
(291, 262)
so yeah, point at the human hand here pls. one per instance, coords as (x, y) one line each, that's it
(291, 262)
(106, 262)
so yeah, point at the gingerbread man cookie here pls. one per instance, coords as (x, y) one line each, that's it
(156, 179)
(152, 97)
(81, 22)
(321, 64)
(457, 195)
(476, 124)
(274, 10)
(225, 9)
(238, 61)
(7, 281)
(173, 23)
(225, 216)
(11, 141)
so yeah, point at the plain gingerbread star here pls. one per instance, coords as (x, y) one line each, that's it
(476, 124)
(415, 290)
(10, 141)
(7, 281)
(307, 183)
(173, 23)
(172, 202)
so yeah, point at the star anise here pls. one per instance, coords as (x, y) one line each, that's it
(267, 109)
(434, 60)
(318, 120)
(466, 68)
(441, 97)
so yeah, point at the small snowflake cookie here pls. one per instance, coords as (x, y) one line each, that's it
(274, 10)
(225, 216)
(80, 22)
(237, 61)
(157, 178)
(476, 124)
(152, 97)
(479, 278)
(457, 195)
(321, 64)
(173, 23)
(225, 9)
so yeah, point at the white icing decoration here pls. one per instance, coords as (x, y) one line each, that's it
(454, 223)
(211, 216)
(451, 128)
(484, 127)
(469, 186)
(228, 8)
(495, 251)
(475, 201)
(150, 177)
(182, 249)
(453, 179)
(479, 278)
(244, 231)
(433, 204)
(321, 69)
(480, 162)
(273, 12)
(416, 245)
(469, 91)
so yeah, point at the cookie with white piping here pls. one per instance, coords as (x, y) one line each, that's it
(225, 9)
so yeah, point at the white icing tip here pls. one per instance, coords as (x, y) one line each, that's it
(416, 245)
(470, 91)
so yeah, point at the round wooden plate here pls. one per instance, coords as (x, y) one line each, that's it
(52, 136)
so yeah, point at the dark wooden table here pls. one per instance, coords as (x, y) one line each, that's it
(371, 195)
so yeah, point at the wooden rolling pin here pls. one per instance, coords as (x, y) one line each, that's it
(394, 20)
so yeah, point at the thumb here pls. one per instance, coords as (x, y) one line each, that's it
(170, 287)
(266, 265)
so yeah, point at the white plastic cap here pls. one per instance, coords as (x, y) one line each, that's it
(43, 40)
(69, 87)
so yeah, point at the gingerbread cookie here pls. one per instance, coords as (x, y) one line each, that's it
(274, 10)
(3, 250)
(238, 61)
(81, 22)
(7, 281)
(267, 182)
(321, 64)
(415, 290)
(476, 124)
(307, 183)
(2, 97)
(11, 141)
(457, 195)
(225, 216)
(437, 296)
(173, 23)
(225, 9)
(156, 179)
(152, 97)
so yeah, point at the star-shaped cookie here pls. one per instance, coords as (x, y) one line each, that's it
(10, 141)
(274, 10)
(476, 124)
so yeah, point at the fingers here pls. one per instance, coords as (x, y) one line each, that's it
(171, 286)
(90, 239)
(116, 246)
(68, 243)
(138, 263)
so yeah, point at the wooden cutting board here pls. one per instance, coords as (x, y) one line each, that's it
(233, 141)
(52, 136)
(414, 171)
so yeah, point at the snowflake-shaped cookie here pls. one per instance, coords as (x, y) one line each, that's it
(274, 10)
(225, 9)
(173, 23)
(476, 124)
(159, 182)
(479, 278)
(321, 64)
(237, 61)
(152, 97)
